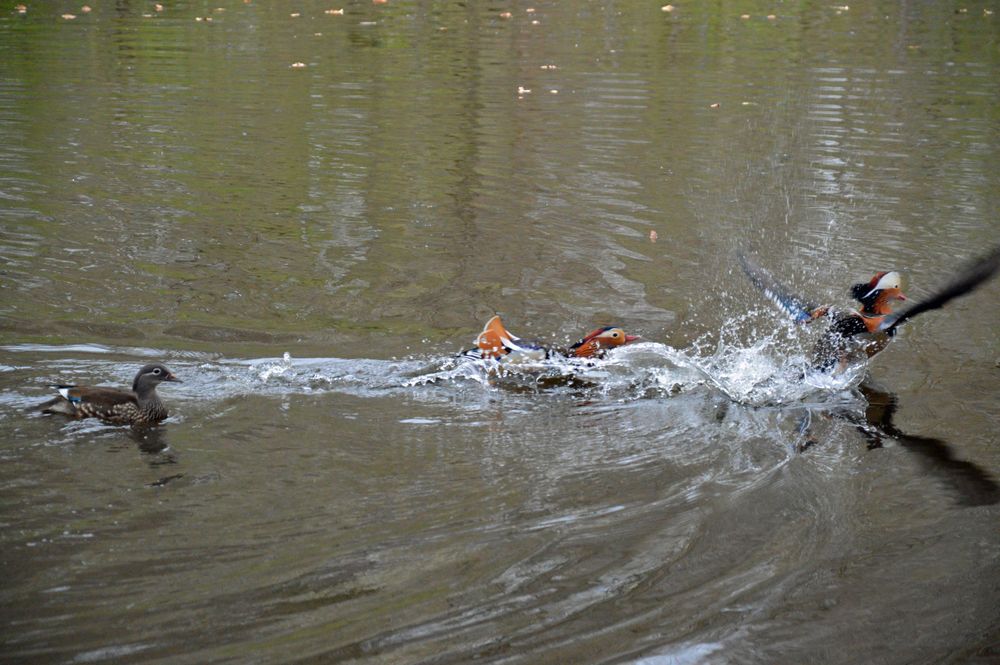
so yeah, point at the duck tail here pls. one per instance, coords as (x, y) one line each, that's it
(55, 405)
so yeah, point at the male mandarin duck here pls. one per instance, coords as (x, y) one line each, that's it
(496, 342)
(869, 330)
(853, 332)
(140, 407)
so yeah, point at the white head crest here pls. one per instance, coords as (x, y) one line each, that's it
(890, 280)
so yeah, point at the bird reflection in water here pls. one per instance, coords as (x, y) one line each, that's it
(970, 483)
(152, 442)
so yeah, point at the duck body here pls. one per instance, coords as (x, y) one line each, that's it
(850, 337)
(855, 335)
(497, 343)
(141, 406)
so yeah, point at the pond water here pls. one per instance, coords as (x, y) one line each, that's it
(306, 213)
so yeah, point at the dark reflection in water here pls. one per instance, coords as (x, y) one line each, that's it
(970, 483)
(153, 442)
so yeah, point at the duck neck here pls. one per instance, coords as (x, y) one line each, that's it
(146, 394)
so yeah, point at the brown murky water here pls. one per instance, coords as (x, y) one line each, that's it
(179, 189)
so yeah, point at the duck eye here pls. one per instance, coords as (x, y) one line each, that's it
(614, 334)
(156, 371)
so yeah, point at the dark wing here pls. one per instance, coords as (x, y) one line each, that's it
(799, 309)
(970, 277)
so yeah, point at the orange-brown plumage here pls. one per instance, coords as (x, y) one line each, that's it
(496, 342)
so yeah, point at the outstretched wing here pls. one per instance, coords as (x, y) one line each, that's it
(967, 280)
(801, 311)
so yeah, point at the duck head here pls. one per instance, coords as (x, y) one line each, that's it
(150, 376)
(596, 342)
(877, 295)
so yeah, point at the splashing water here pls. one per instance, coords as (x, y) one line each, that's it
(763, 373)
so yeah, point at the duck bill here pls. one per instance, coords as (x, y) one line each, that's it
(894, 294)
(632, 338)
(172, 377)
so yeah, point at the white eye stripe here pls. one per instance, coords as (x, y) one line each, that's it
(890, 280)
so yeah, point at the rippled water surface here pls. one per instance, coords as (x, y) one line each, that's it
(306, 214)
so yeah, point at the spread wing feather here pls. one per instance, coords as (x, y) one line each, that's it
(798, 308)
(967, 280)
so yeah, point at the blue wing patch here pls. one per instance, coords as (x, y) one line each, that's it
(799, 309)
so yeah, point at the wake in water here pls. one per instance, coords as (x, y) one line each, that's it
(760, 374)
